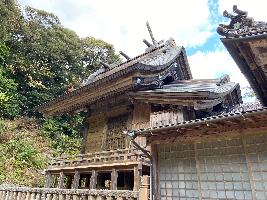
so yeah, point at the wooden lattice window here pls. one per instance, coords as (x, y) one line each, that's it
(115, 139)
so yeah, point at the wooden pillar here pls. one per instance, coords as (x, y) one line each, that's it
(76, 180)
(93, 180)
(48, 179)
(114, 179)
(144, 188)
(61, 180)
(154, 155)
(136, 178)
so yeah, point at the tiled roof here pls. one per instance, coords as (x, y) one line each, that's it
(238, 111)
(185, 87)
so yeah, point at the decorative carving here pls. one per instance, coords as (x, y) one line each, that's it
(240, 25)
(114, 137)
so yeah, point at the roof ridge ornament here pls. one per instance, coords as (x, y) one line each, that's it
(125, 55)
(150, 33)
(240, 25)
(155, 43)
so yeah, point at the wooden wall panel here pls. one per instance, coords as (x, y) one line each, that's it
(141, 116)
(97, 126)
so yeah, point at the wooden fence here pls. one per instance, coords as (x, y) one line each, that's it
(24, 193)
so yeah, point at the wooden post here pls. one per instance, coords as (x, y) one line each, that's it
(55, 196)
(11, 194)
(61, 180)
(136, 178)
(93, 180)
(144, 188)
(49, 196)
(60, 197)
(90, 197)
(154, 155)
(19, 197)
(7, 195)
(76, 180)
(75, 197)
(16, 195)
(1, 194)
(38, 196)
(48, 179)
(33, 195)
(114, 179)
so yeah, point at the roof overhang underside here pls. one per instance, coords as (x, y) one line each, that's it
(250, 54)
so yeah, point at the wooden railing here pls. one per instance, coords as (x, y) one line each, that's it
(25, 193)
(121, 155)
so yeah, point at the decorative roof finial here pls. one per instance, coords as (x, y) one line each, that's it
(105, 65)
(240, 24)
(125, 55)
(147, 43)
(151, 34)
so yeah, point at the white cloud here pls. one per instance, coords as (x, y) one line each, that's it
(215, 64)
(122, 22)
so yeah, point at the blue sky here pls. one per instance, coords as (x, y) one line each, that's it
(192, 23)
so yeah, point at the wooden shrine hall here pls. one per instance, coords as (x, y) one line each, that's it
(151, 131)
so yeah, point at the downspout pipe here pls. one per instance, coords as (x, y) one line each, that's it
(133, 135)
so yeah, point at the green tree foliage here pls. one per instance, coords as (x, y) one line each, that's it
(9, 98)
(65, 138)
(10, 19)
(46, 57)
(21, 154)
(39, 60)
